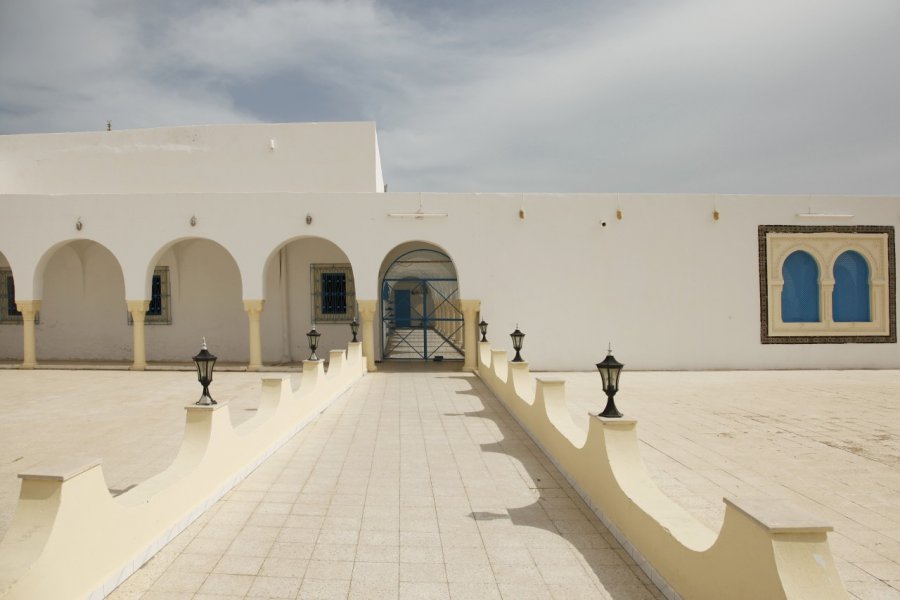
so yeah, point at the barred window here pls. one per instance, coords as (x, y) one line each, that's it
(159, 311)
(333, 297)
(8, 311)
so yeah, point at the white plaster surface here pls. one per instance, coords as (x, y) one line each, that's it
(667, 276)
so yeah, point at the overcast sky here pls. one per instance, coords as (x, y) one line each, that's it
(745, 96)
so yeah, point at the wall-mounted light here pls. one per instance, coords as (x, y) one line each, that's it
(78, 224)
(522, 213)
(193, 220)
(272, 145)
(715, 214)
(308, 219)
(618, 214)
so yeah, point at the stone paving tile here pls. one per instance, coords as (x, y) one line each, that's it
(410, 486)
(827, 440)
(48, 414)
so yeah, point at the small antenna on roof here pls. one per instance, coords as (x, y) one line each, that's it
(108, 125)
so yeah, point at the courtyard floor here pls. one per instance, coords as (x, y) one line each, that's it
(420, 485)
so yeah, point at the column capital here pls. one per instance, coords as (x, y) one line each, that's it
(254, 306)
(367, 308)
(138, 306)
(470, 305)
(28, 306)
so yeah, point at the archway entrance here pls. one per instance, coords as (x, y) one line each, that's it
(420, 310)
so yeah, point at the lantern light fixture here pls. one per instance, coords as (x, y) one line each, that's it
(354, 329)
(206, 362)
(483, 328)
(312, 337)
(517, 338)
(610, 370)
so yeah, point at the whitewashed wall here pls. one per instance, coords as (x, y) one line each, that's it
(287, 316)
(668, 285)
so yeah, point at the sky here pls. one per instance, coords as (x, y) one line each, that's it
(697, 96)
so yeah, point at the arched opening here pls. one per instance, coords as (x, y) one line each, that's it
(307, 280)
(194, 288)
(850, 298)
(421, 318)
(10, 336)
(800, 296)
(83, 313)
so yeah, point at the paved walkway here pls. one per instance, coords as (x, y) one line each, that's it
(829, 440)
(411, 486)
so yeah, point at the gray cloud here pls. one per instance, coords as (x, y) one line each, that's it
(745, 96)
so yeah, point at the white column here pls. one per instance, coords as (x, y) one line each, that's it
(367, 325)
(29, 310)
(138, 308)
(470, 310)
(254, 309)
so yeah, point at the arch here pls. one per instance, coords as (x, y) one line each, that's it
(421, 314)
(800, 295)
(306, 279)
(81, 285)
(170, 245)
(205, 293)
(851, 298)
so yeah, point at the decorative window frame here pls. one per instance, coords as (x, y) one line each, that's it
(5, 301)
(315, 285)
(825, 244)
(165, 316)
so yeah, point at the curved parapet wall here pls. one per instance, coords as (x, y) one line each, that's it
(71, 539)
(765, 549)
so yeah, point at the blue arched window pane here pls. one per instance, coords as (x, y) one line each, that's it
(850, 299)
(800, 296)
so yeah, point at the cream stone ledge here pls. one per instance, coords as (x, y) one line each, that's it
(70, 538)
(764, 549)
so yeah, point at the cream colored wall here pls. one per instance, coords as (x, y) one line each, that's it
(262, 157)
(668, 286)
(296, 321)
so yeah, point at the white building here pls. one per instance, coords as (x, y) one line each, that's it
(132, 245)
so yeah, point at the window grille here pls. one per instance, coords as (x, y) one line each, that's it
(8, 311)
(159, 312)
(333, 294)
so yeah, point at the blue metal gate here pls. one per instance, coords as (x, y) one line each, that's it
(421, 316)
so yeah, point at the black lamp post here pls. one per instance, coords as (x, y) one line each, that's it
(610, 369)
(517, 338)
(483, 327)
(313, 337)
(354, 329)
(205, 362)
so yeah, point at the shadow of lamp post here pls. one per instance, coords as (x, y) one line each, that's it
(312, 337)
(206, 362)
(517, 338)
(610, 369)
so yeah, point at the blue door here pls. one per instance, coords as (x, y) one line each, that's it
(402, 308)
